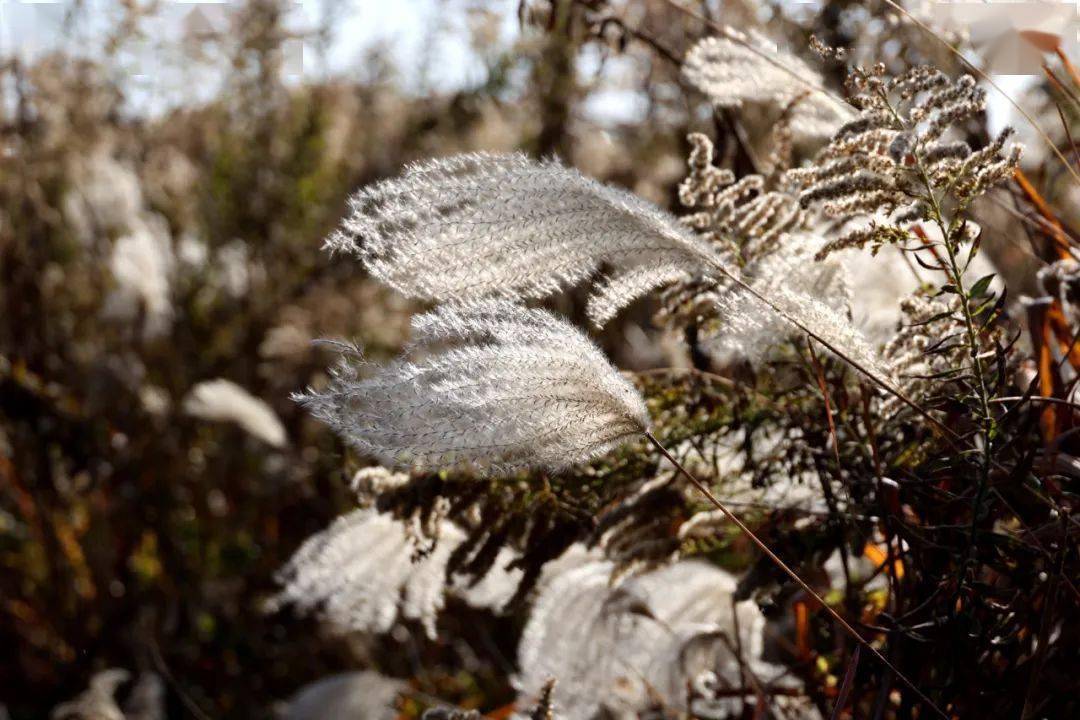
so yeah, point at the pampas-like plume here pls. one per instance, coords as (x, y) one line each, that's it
(226, 401)
(98, 701)
(364, 695)
(502, 226)
(481, 225)
(647, 640)
(361, 574)
(732, 72)
(491, 385)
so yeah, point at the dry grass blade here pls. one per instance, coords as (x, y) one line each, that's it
(845, 687)
(819, 373)
(1052, 225)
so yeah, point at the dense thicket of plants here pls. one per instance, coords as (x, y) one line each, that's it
(758, 405)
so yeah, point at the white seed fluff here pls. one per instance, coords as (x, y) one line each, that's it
(486, 225)
(491, 385)
(224, 400)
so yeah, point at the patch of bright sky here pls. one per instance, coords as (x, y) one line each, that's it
(427, 41)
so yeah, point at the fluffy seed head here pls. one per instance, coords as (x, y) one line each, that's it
(363, 573)
(646, 639)
(732, 73)
(490, 385)
(485, 225)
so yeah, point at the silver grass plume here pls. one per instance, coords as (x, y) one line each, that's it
(748, 68)
(98, 701)
(641, 642)
(359, 576)
(363, 695)
(491, 385)
(363, 574)
(482, 225)
(814, 292)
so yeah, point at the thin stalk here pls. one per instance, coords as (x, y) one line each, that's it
(791, 573)
(956, 276)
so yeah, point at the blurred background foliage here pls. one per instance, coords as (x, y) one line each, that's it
(143, 252)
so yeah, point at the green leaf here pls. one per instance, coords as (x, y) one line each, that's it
(980, 286)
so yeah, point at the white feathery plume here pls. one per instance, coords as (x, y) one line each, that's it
(478, 225)
(363, 695)
(621, 290)
(623, 647)
(814, 292)
(223, 400)
(98, 701)
(142, 264)
(730, 73)
(105, 196)
(146, 700)
(362, 574)
(492, 385)
(496, 588)
(359, 575)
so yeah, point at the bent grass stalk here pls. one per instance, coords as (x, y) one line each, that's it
(791, 573)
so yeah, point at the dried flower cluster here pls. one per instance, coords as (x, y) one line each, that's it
(740, 212)
(918, 360)
(894, 165)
